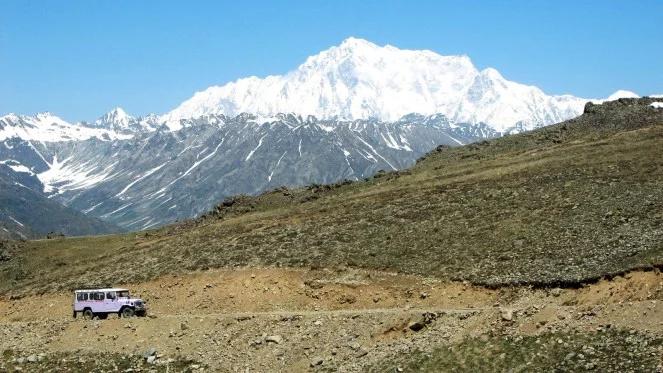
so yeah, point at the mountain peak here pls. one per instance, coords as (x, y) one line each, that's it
(116, 120)
(356, 43)
(622, 94)
(116, 116)
(119, 111)
(492, 73)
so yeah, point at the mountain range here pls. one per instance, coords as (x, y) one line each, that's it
(345, 113)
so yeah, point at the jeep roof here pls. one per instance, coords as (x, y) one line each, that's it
(104, 290)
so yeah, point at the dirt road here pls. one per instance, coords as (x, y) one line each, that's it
(273, 319)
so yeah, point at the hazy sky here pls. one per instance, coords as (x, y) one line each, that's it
(79, 59)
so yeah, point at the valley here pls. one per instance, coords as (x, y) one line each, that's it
(540, 250)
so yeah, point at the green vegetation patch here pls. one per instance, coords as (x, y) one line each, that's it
(11, 361)
(609, 351)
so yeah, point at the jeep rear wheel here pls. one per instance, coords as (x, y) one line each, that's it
(127, 312)
(88, 314)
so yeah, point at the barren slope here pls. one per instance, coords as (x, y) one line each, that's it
(266, 319)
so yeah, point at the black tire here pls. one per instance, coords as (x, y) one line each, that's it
(127, 312)
(88, 314)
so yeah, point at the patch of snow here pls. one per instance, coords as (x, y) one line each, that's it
(376, 153)
(17, 166)
(325, 128)
(145, 175)
(256, 148)
(86, 211)
(66, 175)
(21, 185)
(456, 140)
(197, 163)
(116, 210)
(269, 178)
(161, 191)
(15, 221)
(149, 223)
(657, 105)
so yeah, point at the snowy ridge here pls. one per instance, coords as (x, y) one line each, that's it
(48, 127)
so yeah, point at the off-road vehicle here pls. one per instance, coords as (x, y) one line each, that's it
(103, 302)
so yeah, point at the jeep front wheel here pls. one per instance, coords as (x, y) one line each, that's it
(88, 314)
(127, 312)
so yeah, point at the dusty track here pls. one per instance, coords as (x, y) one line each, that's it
(347, 319)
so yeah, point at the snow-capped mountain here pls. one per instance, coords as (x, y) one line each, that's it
(359, 80)
(117, 120)
(48, 127)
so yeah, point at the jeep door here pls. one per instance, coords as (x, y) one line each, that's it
(110, 303)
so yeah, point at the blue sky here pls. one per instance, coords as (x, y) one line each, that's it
(80, 58)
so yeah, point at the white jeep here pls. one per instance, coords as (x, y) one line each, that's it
(102, 302)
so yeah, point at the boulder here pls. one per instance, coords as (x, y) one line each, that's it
(317, 361)
(150, 352)
(274, 339)
(507, 314)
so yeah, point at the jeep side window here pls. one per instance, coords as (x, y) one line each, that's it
(79, 296)
(98, 296)
(85, 296)
(110, 295)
